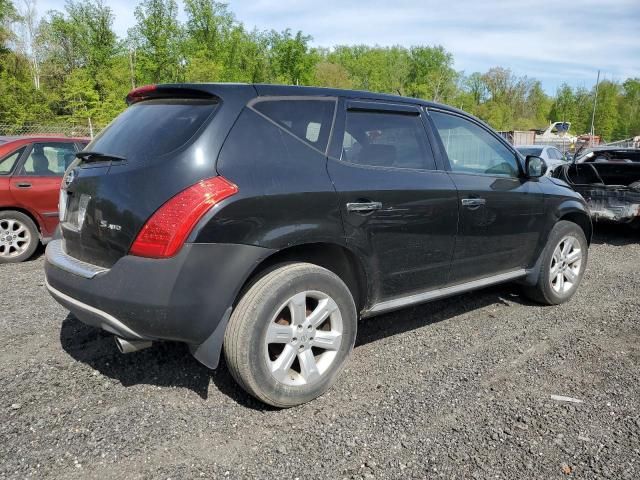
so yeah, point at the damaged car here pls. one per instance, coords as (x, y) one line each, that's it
(609, 180)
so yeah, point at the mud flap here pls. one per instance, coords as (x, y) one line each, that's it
(208, 352)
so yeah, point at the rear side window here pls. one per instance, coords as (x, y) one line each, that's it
(8, 162)
(386, 140)
(49, 159)
(309, 120)
(153, 128)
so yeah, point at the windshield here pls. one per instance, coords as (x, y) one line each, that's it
(530, 151)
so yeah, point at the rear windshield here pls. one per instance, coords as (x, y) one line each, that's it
(152, 128)
(530, 151)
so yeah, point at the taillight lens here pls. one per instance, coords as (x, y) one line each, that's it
(140, 93)
(168, 228)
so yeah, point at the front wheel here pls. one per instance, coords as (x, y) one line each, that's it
(291, 334)
(564, 260)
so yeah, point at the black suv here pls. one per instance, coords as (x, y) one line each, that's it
(267, 219)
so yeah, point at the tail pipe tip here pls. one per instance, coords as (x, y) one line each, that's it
(128, 346)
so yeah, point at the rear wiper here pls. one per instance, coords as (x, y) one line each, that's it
(97, 156)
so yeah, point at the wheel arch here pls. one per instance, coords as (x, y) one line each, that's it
(581, 218)
(34, 218)
(334, 257)
(572, 211)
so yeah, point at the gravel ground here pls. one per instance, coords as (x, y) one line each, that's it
(460, 388)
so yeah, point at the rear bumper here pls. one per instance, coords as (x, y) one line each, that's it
(183, 298)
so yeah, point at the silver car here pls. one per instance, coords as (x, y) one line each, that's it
(550, 154)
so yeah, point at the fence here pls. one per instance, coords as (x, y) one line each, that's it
(64, 130)
(626, 143)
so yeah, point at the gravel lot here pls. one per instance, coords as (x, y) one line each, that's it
(459, 388)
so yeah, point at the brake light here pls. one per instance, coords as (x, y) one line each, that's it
(166, 231)
(140, 93)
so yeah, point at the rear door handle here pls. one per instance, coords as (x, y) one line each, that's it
(23, 185)
(473, 203)
(363, 207)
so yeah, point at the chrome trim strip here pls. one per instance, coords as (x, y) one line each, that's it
(109, 320)
(50, 214)
(56, 256)
(444, 292)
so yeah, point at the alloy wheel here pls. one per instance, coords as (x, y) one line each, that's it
(303, 338)
(15, 238)
(566, 263)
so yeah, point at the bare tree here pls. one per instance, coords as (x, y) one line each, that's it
(27, 38)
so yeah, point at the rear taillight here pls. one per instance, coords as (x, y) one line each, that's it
(168, 228)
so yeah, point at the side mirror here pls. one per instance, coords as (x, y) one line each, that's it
(535, 167)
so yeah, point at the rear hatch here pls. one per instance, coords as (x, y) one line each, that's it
(165, 141)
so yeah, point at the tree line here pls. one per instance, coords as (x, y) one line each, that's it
(71, 66)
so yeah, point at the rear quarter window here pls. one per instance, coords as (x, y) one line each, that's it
(308, 120)
(152, 128)
(7, 163)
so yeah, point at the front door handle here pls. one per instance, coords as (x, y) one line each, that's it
(363, 207)
(473, 203)
(23, 185)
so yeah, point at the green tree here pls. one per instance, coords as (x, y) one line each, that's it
(475, 85)
(207, 37)
(329, 74)
(607, 115)
(629, 108)
(431, 74)
(157, 41)
(8, 15)
(292, 61)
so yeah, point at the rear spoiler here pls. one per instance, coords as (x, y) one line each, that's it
(147, 92)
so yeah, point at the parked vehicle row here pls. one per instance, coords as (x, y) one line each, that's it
(31, 169)
(262, 221)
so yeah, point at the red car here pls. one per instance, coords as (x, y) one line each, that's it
(31, 169)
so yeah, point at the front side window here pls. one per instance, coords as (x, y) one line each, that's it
(8, 162)
(472, 149)
(386, 139)
(49, 159)
(309, 120)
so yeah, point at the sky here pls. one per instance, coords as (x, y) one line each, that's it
(554, 42)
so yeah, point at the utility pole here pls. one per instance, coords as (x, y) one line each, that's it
(593, 114)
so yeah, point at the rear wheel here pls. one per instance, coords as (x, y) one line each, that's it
(291, 334)
(18, 237)
(564, 260)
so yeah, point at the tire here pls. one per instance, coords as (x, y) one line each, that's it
(266, 334)
(18, 237)
(564, 260)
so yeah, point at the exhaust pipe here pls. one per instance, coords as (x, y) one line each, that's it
(128, 346)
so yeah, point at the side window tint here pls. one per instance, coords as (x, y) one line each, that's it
(49, 159)
(8, 162)
(309, 120)
(386, 140)
(472, 149)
